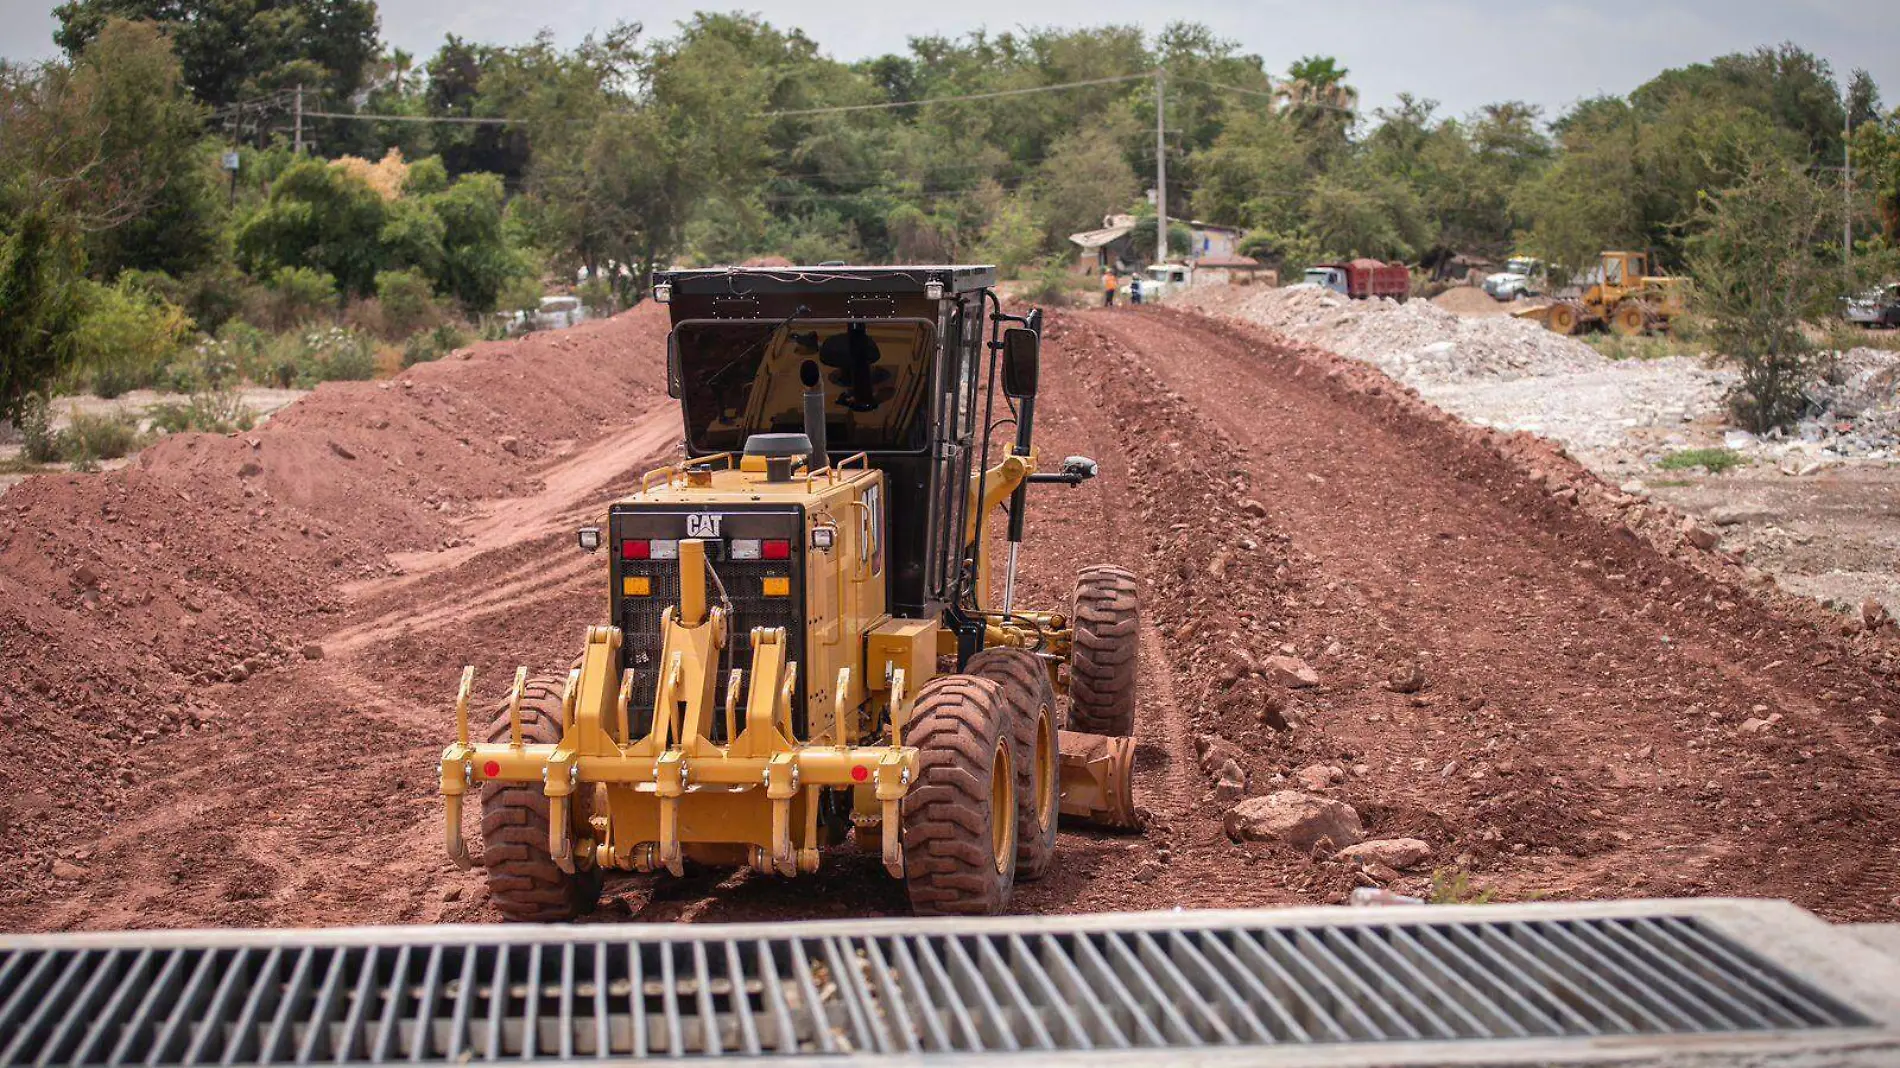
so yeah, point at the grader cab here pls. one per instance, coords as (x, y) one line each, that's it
(804, 645)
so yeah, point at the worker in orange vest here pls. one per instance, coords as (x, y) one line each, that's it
(1109, 282)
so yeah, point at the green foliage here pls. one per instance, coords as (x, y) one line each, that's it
(597, 296)
(1763, 267)
(300, 295)
(1453, 886)
(88, 438)
(432, 344)
(39, 308)
(124, 336)
(1714, 461)
(231, 49)
(408, 302)
(1053, 284)
(209, 411)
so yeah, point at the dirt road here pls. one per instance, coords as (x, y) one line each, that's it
(1580, 732)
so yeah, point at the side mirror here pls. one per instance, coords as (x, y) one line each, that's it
(1021, 357)
(673, 386)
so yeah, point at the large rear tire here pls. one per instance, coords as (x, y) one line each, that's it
(1106, 652)
(960, 814)
(523, 880)
(1564, 318)
(1031, 701)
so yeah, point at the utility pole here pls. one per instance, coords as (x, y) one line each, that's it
(296, 143)
(1161, 167)
(1847, 186)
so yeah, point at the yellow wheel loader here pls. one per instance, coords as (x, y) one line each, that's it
(1624, 298)
(804, 646)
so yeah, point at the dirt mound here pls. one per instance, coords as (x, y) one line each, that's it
(1416, 341)
(132, 602)
(1475, 302)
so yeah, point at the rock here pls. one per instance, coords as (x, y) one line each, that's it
(1635, 488)
(313, 651)
(251, 469)
(85, 577)
(1319, 776)
(452, 893)
(510, 445)
(1700, 537)
(1394, 852)
(68, 871)
(1254, 508)
(1289, 671)
(1147, 871)
(1874, 615)
(1300, 820)
(1228, 791)
(1212, 750)
(1406, 678)
(341, 450)
(1754, 725)
(1231, 771)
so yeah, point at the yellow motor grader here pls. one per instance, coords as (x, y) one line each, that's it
(803, 644)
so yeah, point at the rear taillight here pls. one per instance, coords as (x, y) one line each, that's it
(776, 549)
(634, 550)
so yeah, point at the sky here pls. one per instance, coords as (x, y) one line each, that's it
(1462, 53)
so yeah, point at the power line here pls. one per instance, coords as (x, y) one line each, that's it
(957, 99)
(464, 120)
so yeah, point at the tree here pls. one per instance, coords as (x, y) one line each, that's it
(318, 216)
(39, 307)
(1763, 266)
(235, 48)
(1085, 178)
(149, 123)
(1588, 200)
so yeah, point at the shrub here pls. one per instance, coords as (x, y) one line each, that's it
(212, 411)
(597, 296)
(408, 302)
(38, 442)
(300, 295)
(333, 355)
(124, 336)
(1050, 284)
(432, 344)
(89, 438)
(1714, 461)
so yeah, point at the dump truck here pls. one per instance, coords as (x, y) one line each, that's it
(1622, 296)
(805, 644)
(1363, 279)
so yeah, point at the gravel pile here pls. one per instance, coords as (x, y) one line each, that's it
(1417, 342)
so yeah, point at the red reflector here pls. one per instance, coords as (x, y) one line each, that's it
(490, 770)
(634, 550)
(860, 773)
(776, 549)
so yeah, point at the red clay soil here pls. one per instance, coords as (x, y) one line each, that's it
(225, 670)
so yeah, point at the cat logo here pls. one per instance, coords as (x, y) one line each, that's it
(701, 525)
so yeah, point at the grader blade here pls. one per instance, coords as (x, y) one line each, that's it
(1098, 779)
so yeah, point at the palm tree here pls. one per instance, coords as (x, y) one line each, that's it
(1318, 82)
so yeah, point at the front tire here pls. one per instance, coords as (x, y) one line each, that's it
(960, 815)
(1033, 725)
(523, 880)
(1105, 652)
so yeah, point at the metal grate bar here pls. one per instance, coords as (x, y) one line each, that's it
(578, 995)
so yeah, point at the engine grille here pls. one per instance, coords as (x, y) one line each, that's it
(1023, 987)
(640, 630)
